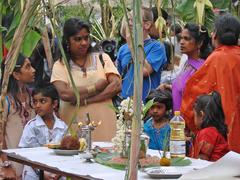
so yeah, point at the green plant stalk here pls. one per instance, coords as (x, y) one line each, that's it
(105, 15)
(12, 56)
(95, 37)
(165, 144)
(128, 25)
(137, 97)
(174, 44)
(113, 22)
(75, 90)
(99, 30)
(1, 37)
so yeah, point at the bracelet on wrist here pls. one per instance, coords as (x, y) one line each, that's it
(91, 89)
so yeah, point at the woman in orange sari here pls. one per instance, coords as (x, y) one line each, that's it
(221, 73)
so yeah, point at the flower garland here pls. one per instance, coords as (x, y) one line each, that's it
(125, 114)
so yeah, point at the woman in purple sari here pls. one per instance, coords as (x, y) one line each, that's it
(195, 44)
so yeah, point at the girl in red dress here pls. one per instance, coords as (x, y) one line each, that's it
(211, 140)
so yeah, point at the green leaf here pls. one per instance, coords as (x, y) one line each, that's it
(148, 106)
(30, 42)
(104, 159)
(13, 27)
(220, 4)
(180, 161)
(2, 28)
(186, 11)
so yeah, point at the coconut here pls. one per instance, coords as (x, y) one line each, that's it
(70, 143)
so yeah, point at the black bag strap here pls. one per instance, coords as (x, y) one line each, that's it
(101, 59)
(124, 71)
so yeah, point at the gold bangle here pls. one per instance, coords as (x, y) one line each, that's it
(85, 102)
(91, 89)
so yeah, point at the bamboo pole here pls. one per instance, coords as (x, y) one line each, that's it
(11, 59)
(137, 97)
(47, 48)
(1, 41)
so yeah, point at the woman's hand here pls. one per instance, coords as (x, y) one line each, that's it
(165, 86)
(112, 87)
(8, 173)
(101, 84)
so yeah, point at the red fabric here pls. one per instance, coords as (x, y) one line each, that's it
(209, 144)
(220, 72)
(5, 51)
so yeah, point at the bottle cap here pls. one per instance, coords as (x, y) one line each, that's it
(177, 113)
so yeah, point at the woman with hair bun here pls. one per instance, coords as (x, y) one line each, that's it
(221, 73)
(194, 42)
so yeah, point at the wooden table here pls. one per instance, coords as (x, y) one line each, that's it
(73, 166)
(43, 167)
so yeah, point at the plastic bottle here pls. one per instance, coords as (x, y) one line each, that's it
(177, 136)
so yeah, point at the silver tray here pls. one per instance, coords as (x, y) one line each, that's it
(164, 172)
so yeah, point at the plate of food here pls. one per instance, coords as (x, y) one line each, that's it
(69, 146)
(167, 172)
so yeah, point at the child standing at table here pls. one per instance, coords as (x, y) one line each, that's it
(211, 140)
(45, 128)
(157, 127)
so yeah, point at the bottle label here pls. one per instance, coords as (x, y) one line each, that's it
(177, 147)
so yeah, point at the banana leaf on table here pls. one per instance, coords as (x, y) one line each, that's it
(114, 161)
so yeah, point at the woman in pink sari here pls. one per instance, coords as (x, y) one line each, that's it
(195, 44)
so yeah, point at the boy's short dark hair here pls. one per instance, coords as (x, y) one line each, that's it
(47, 90)
(161, 96)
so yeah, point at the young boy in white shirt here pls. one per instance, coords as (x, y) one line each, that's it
(45, 128)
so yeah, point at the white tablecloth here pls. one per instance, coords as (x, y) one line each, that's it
(76, 165)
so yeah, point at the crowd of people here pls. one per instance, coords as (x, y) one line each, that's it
(205, 87)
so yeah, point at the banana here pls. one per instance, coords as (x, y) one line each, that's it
(83, 144)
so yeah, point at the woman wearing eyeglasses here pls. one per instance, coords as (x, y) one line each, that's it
(96, 82)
